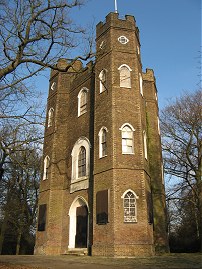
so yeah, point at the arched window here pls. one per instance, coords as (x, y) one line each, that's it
(80, 165)
(50, 117)
(141, 86)
(130, 206)
(102, 142)
(82, 162)
(145, 144)
(127, 138)
(82, 101)
(125, 78)
(103, 79)
(46, 167)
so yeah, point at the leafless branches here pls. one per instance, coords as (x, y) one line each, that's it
(34, 34)
(181, 125)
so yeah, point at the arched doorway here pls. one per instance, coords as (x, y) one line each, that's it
(78, 224)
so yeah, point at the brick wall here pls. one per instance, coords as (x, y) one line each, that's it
(115, 172)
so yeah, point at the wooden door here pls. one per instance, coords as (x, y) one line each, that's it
(81, 227)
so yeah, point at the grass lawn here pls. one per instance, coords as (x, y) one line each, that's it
(168, 261)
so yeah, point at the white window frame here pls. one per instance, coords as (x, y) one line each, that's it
(134, 217)
(102, 44)
(126, 84)
(53, 86)
(81, 142)
(83, 90)
(158, 125)
(100, 142)
(141, 84)
(156, 96)
(103, 80)
(123, 40)
(132, 130)
(50, 117)
(46, 167)
(145, 144)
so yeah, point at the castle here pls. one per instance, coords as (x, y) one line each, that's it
(102, 189)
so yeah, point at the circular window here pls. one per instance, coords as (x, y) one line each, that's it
(123, 40)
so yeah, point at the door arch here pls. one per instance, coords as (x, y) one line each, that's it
(78, 223)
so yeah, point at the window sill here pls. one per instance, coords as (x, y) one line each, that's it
(126, 153)
(82, 114)
(102, 157)
(79, 184)
(130, 222)
(78, 179)
(102, 92)
(102, 223)
(126, 87)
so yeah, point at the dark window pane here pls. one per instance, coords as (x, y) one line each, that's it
(82, 162)
(126, 202)
(42, 218)
(104, 149)
(83, 102)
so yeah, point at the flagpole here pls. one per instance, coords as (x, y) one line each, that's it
(116, 9)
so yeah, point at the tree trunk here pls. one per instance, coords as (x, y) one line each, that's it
(200, 216)
(2, 234)
(199, 186)
(3, 158)
(18, 242)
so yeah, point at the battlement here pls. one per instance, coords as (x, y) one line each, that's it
(113, 20)
(75, 65)
(149, 75)
(150, 90)
(72, 67)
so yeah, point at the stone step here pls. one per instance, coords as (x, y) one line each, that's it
(78, 251)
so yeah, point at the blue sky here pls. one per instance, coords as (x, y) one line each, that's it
(170, 36)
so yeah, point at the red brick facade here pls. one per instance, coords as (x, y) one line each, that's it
(131, 175)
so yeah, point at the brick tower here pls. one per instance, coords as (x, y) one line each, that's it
(102, 190)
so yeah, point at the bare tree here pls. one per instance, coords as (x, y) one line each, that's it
(20, 166)
(34, 34)
(181, 125)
